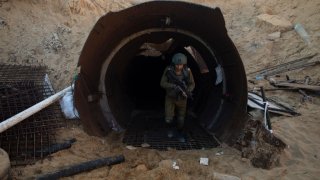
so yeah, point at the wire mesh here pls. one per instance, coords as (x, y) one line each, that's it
(20, 88)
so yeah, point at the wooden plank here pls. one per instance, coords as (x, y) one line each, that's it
(299, 86)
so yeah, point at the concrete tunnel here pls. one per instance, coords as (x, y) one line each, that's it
(126, 52)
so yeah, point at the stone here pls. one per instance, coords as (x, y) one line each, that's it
(2, 23)
(166, 164)
(141, 167)
(274, 23)
(245, 29)
(131, 147)
(220, 176)
(204, 161)
(145, 145)
(274, 36)
(4, 165)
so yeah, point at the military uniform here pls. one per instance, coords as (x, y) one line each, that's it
(174, 100)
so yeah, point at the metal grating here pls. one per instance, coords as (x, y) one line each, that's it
(152, 130)
(20, 88)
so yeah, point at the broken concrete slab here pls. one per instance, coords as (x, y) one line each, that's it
(273, 23)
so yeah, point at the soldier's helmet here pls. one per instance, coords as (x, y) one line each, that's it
(179, 58)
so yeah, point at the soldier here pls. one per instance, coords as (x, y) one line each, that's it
(178, 82)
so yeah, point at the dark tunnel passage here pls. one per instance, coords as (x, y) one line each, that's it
(142, 81)
(126, 53)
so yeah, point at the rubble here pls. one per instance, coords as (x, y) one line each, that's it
(53, 44)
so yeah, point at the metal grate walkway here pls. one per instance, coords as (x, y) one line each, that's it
(152, 131)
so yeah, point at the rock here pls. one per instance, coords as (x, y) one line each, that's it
(2, 23)
(131, 147)
(204, 161)
(245, 29)
(220, 176)
(145, 145)
(141, 167)
(166, 164)
(273, 23)
(4, 165)
(274, 36)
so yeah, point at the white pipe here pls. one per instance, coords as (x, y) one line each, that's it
(32, 110)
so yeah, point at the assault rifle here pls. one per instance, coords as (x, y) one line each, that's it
(180, 85)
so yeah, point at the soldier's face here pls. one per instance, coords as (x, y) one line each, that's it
(179, 67)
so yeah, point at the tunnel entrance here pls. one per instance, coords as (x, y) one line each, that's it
(126, 52)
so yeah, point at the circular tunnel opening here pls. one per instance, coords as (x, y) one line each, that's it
(127, 51)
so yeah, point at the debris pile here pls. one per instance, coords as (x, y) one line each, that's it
(259, 145)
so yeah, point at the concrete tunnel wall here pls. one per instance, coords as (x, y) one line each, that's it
(110, 61)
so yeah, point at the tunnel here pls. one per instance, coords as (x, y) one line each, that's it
(126, 52)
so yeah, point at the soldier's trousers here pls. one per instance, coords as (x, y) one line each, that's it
(173, 106)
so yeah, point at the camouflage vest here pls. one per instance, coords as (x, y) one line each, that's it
(185, 74)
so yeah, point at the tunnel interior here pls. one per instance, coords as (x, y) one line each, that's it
(143, 89)
(134, 74)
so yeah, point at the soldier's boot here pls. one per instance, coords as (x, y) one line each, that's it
(180, 124)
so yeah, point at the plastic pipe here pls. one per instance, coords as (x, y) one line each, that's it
(31, 110)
